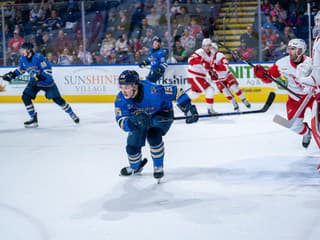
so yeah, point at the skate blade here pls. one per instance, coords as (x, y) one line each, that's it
(158, 180)
(34, 125)
(77, 121)
(131, 175)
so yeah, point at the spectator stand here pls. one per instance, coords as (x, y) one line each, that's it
(53, 23)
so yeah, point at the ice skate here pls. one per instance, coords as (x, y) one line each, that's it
(158, 173)
(32, 123)
(128, 171)
(236, 107)
(246, 103)
(75, 118)
(306, 139)
(212, 111)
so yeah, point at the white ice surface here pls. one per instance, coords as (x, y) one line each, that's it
(226, 178)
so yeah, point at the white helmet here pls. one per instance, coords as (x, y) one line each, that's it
(316, 28)
(206, 41)
(300, 45)
(214, 45)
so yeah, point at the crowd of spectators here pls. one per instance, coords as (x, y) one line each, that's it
(116, 31)
(121, 31)
(281, 22)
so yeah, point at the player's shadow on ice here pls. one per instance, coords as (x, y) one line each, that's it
(298, 172)
(13, 130)
(139, 196)
(209, 120)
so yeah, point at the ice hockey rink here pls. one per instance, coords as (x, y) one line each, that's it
(226, 178)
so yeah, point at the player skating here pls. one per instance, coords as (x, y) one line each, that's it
(140, 107)
(314, 80)
(157, 59)
(40, 71)
(294, 69)
(225, 80)
(197, 74)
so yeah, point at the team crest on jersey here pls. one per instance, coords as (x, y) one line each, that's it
(43, 64)
(118, 111)
(168, 90)
(130, 106)
(153, 90)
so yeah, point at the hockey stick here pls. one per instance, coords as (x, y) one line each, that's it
(237, 56)
(288, 123)
(20, 80)
(315, 122)
(261, 110)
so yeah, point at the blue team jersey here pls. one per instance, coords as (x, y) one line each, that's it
(156, 98)
(38, 67)
(156, 58)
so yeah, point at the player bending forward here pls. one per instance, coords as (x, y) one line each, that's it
(293, 68)
(314, 80)
(140, 108)
(40, 72)
(224, 79)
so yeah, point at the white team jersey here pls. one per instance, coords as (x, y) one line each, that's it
(220, 65)
(316, 59)
(290, 72)
(199, 63)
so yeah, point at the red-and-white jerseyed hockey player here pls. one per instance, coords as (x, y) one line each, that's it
(224, 79)
(315, 80)
(198, 69)
(294, 69)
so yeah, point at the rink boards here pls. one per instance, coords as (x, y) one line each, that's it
(99, 83)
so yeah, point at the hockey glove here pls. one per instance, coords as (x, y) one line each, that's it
(189, 110)
(159, 70)
(36, 75)
(139, 120)
(143, 64)
(261, 73)
(213, 74)
(193, 113)
(9, 76)
(236, 55)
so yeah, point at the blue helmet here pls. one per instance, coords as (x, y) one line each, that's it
(128, 77)
(27, 45)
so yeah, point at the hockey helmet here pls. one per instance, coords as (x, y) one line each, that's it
(206, 42)
(300, 45)
(135, 74)
(316, 28)
(27, 45)
(215, 46)
(128, 77)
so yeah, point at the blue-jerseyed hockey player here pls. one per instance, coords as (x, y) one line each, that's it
(40, 71)
(140, 108)
(157, 59)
